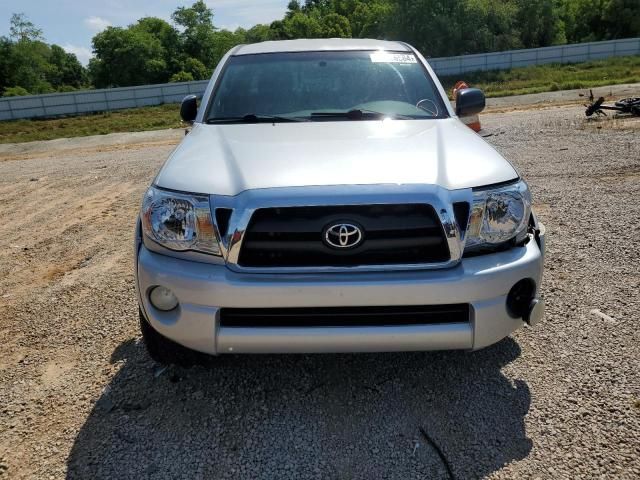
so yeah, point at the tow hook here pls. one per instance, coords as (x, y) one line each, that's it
(536, 312)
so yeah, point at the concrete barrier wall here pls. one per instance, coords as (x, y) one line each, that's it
(581, 52)
(72, 103)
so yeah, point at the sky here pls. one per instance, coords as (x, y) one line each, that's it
(72, 23)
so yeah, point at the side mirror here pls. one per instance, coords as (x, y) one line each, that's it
(469, 101)
(189, 108)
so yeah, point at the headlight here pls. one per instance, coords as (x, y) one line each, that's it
(179, 221)
(498, 215)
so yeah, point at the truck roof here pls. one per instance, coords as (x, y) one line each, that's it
(321, 44)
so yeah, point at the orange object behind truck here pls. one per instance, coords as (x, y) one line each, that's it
(472, 121)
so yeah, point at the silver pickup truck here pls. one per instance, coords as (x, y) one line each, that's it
(329, 199)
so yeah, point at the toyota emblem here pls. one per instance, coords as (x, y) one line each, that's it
(343, 235)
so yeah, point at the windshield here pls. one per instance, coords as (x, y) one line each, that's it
(324, 86)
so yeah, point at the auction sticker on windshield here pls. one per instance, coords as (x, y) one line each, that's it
(386, 57)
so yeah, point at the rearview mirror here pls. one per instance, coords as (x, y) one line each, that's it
(189, 108)
(469, 101)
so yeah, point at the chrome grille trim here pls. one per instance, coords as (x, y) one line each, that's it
(246, 203)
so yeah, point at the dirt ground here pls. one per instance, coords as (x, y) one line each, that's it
(562, 97)
(79, 397)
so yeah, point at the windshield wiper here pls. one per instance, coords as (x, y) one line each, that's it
(254, 118)
(357, 114)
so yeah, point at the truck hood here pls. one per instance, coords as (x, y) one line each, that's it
(229, 159)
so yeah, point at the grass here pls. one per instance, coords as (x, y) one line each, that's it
(502, 83)
(132, 120)
(552, 77)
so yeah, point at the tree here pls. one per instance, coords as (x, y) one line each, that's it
(292, 8)
(126, 56)
(27, 58)
(433, 26)
(302, 26)
(6, 63)
(335, 26)
(169, 39)
(320, 6)
(14, 92)
(198, 34)
(277, 30)
(30, 64)
(258, 33)
(65, 70)
(196, 15)
(196, 69)
(368, 19)
(540, 23)
(622, 18)
(223, 41)
(22, 29)
(490, 26)
(181, 76)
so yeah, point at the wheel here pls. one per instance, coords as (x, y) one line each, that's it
(628, 102)
(166, 351)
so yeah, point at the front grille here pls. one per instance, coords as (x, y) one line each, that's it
(344, 316)
(393, 234)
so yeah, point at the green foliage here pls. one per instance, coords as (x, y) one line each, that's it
(434, 27)
(223, 41)
(126, 56)
(622, 18)
(196, 15)
(278, 31)
(369, 19)
(181, 76)
(168, 37)
(131, 120)
(30, 60)
(30, 66)
(197, 38)
(335, 26)
(590, 20)
(6, 63)
(14, 92)
(22, 29)
(258, 33)
(540, 23)
(67, 88)
(154, 51)
(65, 70)
(196, 69)
(300, 25)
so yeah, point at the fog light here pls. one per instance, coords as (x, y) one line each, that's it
(163, 299)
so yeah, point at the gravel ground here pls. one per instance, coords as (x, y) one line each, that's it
(79, 397)
(563, 97)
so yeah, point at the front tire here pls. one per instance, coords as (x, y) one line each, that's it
(165, 351)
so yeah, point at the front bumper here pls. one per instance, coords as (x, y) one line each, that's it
(203, 289)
